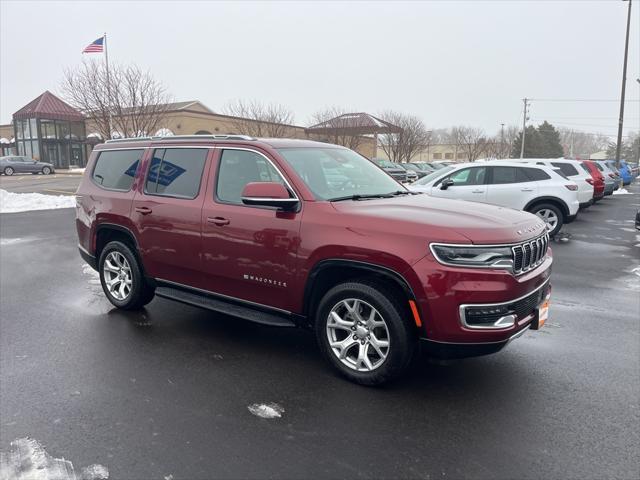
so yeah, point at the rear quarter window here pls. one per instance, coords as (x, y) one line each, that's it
(536, 174)
(566, 168)
(116, 169)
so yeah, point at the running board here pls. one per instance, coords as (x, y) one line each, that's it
(222, 306)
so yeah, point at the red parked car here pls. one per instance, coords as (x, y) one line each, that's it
(301, 233)
(597, 179)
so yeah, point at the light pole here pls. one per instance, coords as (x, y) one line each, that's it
(624, 84)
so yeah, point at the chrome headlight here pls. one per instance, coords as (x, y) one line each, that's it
(473, 256)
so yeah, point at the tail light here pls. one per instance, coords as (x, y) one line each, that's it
(589, 181)
(572, 187)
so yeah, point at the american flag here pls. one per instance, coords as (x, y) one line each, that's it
(96, 46)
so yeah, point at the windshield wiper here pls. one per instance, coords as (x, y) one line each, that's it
(400, 192)
(361, 197)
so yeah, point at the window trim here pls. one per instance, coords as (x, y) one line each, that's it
(517, 167)
(218, 200)
(95, 164)
(178, 197)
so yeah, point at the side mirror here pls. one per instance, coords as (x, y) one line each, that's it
(446, 184)
(268, 194)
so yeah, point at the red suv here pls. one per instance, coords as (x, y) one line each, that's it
(597, 179)
(301, 233)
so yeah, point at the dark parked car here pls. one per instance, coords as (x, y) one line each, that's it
(20, 164)
(416, 169)
(398, 173)
(269, 230)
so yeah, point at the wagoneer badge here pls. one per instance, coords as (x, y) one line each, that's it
(531, 229)
(268, 281)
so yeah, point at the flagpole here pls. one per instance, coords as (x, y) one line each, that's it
(106, 63)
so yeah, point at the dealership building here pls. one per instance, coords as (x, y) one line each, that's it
(50, 130)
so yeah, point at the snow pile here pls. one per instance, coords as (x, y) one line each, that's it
(28, 460)
(622, 191)
(23, 202)
(76, 170)
(271, 410)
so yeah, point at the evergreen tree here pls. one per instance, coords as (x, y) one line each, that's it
(531, 144)
(541, 142)
(550, 146)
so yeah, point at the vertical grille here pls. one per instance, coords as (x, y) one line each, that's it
(530, 254)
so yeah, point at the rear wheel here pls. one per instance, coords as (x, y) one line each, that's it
(551, 215)
(362, 331)
(46, 170)
(8, 171)
(122, 278)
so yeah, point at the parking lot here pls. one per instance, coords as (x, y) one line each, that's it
(56, 184)
(164, 393)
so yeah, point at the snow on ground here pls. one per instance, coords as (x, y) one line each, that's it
(622, 191)
(23, 202)
(271, 410)
(76, 170)
(28, 460)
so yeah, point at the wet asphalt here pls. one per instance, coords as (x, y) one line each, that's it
(165, 392)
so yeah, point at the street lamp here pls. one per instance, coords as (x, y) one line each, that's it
(624, 84)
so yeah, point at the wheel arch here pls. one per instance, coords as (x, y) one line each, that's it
(564, 208)
(329, 272)
(107, 232)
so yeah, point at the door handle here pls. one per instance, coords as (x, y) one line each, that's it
(477, 191)
(218, 221)
(143, 210)
(527, 190)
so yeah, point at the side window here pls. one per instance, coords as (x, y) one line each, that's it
(566, 168)
(176, 172)
(116, 169)
(536, 174)
(468, 176)
(239, 167)
(502, 175)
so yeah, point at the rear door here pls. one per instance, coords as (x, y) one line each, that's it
(167, 212)
(468, 184)
(510, 187)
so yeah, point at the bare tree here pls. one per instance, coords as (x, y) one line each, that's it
(132, 103)
(582, 143)
(259, 119)
(412, 138)
(334, 132)
(472, 141)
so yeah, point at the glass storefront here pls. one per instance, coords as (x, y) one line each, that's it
(59, 142)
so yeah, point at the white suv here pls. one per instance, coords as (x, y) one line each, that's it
(534, 188)
(573, 171)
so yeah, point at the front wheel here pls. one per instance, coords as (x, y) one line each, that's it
(8, 171)
(362, 331)
(551, 215)
(46, 171)
(122, 278)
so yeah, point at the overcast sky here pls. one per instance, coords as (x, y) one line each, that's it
(449, 62)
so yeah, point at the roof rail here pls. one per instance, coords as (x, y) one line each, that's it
(183, 137)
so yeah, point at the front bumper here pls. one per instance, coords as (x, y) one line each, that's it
(444, 289)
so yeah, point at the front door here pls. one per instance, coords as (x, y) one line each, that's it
(468, 184)
(249, 252)
(167, 212)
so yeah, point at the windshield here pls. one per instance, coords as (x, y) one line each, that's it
(433, 175)
(333, 173)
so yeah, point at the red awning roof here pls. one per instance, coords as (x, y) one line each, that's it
(356, 124)
(50, 107)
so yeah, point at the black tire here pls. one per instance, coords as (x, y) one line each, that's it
(46, 170)
(401, 334)
(141, 292)
(548, 206)
(8, 171)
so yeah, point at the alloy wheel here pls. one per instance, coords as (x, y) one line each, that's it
(358, 335)
(550, 218)
(8, 171)
(46, 170)
(117, 275)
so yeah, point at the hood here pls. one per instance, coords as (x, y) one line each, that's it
(442, 219)
(394, 169)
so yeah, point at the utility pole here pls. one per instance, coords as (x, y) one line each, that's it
(524, 126)
(624, 84)
(571, 146)
(502, 152)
